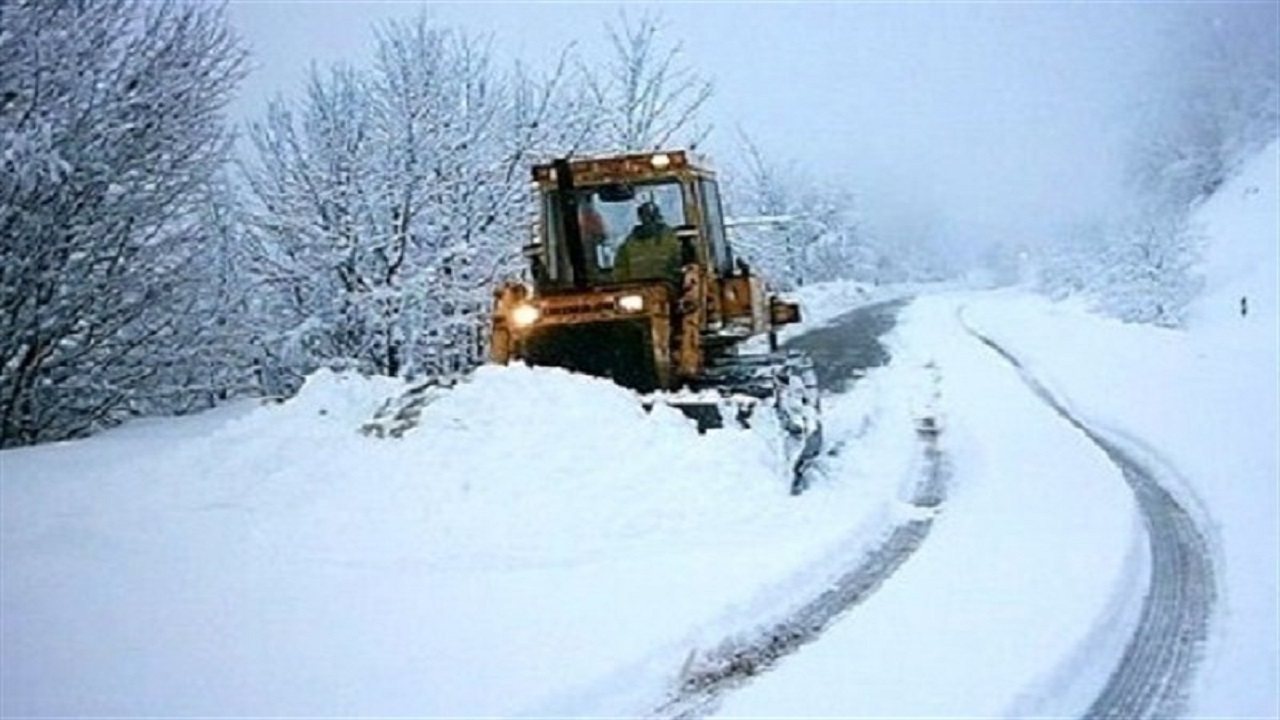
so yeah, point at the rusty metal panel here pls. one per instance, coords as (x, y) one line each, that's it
(633, 167)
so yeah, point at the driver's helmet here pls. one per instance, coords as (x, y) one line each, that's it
(649, 213)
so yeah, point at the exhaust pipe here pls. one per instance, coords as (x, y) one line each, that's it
(568, 205)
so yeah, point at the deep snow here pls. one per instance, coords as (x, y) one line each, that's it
(537, 533)
(541, 546)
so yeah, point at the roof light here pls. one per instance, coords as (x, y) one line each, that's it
(631, 303)
(660, 161)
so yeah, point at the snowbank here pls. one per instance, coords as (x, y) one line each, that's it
(535, 541)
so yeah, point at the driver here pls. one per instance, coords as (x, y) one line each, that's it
(651, 250)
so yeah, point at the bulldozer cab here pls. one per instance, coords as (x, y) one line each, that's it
(625, 219)
(632, 275)
(608, 216)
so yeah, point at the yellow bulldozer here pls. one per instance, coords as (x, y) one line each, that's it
(632, 278)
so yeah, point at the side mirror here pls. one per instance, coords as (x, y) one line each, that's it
(538, 269)
(687, 235)
(535, 255)
(617, 192)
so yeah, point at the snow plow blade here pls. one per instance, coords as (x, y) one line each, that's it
(777, 388)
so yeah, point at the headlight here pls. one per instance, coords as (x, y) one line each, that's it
(524, 315)
(631, 303)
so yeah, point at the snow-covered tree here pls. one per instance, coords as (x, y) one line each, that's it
(1070, 265)
(644, 95)
(232, 358)
(1150, 271)
(794, 229)
(1143, 267)
(1216, 101)
(111, 129)
(550, 114)
(391, 199)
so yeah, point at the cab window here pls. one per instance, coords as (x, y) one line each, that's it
(721, 256)
(606, 216)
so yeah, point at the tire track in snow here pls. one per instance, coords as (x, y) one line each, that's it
(1154, 673)
(704, 682)
(841, 350)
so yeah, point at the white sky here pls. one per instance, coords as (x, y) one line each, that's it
(994, 121)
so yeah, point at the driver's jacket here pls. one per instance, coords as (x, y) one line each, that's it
(648, 254)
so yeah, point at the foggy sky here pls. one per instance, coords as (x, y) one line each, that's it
(970, 123)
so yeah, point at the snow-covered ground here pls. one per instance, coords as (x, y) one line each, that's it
(541, 546)
(537, 542)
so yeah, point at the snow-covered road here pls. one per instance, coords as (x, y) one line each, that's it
(1154, 674)
(844, 350)
(1001, 611)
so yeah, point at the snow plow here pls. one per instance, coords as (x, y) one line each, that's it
(632, 278)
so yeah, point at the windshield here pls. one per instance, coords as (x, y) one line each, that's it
(607, 216)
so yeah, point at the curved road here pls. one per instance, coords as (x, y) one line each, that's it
(849, 345)
(1154, 674)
